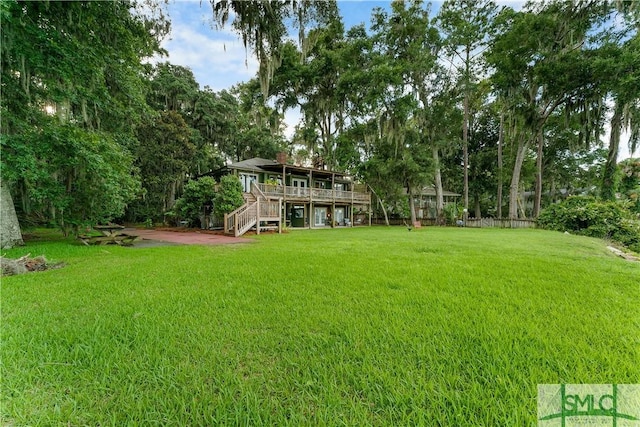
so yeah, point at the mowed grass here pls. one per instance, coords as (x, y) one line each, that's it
(366, 326)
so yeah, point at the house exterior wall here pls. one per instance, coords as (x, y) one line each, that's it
(309, 200)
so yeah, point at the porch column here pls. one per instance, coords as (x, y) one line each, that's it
(333, 198)
(311, 213)
(283, 201)
(352, 206)
(285, 215)
(257, 215)
(284, 183)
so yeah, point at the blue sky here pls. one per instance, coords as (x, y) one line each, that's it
(219, 60)
(217, 56)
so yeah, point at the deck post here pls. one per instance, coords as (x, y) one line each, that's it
(284, 185)
(352, 206)
(235, 226)
(280, 214)
(257, 215)
(333, 199)
(311, 213)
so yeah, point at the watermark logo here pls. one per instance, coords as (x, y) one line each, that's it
(590, 405)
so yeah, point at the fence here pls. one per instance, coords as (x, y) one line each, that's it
(399, 221)
(471, 222)
(500, 223)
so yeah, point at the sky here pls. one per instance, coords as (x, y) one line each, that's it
(219, 59)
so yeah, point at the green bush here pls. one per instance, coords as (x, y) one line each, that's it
(589, 217)
(451, 213)
(196, 196)
(229, 196)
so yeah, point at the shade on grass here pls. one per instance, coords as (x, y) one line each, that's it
(367, 326)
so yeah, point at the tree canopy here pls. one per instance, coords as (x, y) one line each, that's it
(461, 98)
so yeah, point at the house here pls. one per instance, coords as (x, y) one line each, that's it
(425, 202)
(277, 194)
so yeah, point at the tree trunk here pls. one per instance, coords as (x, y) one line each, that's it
(384, 210)
(538, 195)
(438, 187)
(515, 178)
(500, 142)
(10, 234)
(476, 204)
(465, 150)
(412, 207)
(465, 131)
(608, 190)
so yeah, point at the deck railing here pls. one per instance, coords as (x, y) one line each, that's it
(240, 220)
(246, 219)
(315, 194)
(270, 209)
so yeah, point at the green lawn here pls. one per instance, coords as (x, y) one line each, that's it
(367, 326)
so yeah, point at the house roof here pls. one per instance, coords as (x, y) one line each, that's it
(258, 164)
(430, 190)
(255, 163)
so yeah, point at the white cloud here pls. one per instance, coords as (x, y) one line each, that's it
(215, 60)
(217, 57)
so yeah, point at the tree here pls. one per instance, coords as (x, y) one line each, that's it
(248, 127)
(540, 66)
(412, 93)
(164, 155)
(629, 187)
(209, 115)
(621, 70)
(262, 25)
(466, 27)
(322, 100)
(65, 125)
(10, 234)
(70, 175)
(172, 88)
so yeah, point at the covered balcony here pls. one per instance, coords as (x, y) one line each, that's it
(318, 195)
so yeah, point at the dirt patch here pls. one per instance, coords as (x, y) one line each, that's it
(187, 230)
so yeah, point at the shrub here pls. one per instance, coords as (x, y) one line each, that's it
(451, 213)
(229, 196)
(197, 195)
(589, 217)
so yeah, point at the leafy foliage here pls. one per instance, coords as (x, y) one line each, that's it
(71, 175)
(229, 196)
(163, 156)
(629, 185)
(71, 98)
(196, 200)
(589, 217)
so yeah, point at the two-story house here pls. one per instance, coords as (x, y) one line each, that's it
(280, 194)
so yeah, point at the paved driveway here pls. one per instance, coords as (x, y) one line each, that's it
(185, 237)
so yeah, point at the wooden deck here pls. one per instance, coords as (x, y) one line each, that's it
(317, 195)
(263, 205)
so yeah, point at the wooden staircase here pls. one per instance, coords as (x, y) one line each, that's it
(258, 209)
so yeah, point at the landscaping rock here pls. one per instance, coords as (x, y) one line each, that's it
(622, 254)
